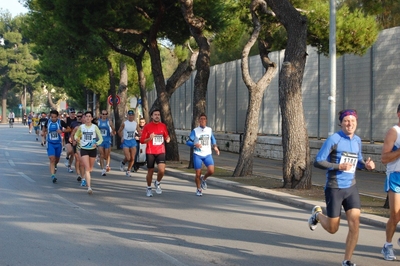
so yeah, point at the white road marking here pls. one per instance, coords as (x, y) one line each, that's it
(6, 154)
(11, 162)
(26, 177)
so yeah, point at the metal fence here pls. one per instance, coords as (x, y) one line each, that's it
(370, 84)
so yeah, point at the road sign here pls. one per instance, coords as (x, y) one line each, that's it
(110, 100)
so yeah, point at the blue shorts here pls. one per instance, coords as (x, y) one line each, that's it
(129, 143)
(198, 160)
(393, 182)
(54, 149)
(36, 128)
(105, 144)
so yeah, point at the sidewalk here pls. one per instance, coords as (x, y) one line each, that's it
(369, 183)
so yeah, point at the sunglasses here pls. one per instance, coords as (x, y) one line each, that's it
(79, 116)
(104, 114)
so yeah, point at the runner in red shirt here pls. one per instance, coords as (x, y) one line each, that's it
(153, 135)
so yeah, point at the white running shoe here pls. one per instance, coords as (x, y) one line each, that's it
(149, 193)
(128, 173)
(121, 167)
(199, 192)
(103, 172)
(312, 221)
(203, 183)
(90, 191)
(158, 187)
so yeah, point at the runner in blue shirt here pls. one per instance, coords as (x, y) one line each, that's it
(340, 155)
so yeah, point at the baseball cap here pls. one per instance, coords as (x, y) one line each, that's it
(131, 112)
(72, 110)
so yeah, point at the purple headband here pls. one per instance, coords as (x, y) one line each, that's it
(346, 113)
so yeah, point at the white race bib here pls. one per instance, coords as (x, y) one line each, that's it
(349, 157)
(158, 140)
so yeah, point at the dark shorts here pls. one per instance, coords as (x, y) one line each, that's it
(155, 158)
(337, 197)
(90, 153)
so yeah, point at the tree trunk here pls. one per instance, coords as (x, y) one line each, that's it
(6, 88)
(244, 166)
(113, 93)
(296, 151)
(196, 25)
(142, 85)
(172, 152)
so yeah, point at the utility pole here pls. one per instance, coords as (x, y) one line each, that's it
(332, 59)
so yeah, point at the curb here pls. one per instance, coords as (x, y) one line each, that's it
(264, 193)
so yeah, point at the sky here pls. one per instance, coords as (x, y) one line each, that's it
(13, 6)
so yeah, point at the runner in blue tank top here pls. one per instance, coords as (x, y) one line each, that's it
(52, 131)
(107, 130)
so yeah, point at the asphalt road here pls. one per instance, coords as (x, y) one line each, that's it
(60, 224)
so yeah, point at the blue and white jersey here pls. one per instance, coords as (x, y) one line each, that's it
(104, 126)
(395, 165)
(340, 148)
(52, 135)
(205, 137)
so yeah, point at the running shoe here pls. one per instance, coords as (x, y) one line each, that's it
(203, 183)
(157, 185)
(108, 168)
(90, 191)
(348, 263)
(121, 167)
(388, 253)
(199, 192)
(128, 173)
(79, 179)
(83, 183)
(69, 169)
(53, 178)
(37, 139)
(103, 172)
(42, 144)
(66, 162)
(312, 221)
(149, 193)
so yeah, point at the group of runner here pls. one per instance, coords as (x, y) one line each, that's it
(83, 140)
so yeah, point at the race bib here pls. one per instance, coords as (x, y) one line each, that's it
(88, 136)
(158, 140)
(53, 135)
(130, 134)
(204, 140)
(103, 132)
(349, 157)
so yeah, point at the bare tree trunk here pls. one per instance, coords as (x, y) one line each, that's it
(244, 166)
(142, 84)
(50, 99)
(6, 88)
(196, 25)
(296, 151)
(113, 93)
